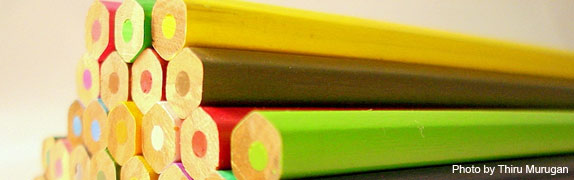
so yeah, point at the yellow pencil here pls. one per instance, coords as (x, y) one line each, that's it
(137, 168)
(124, 126)
(245, 25)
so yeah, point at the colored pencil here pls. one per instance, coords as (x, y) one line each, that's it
(115, 80)
(222, 175)
(175, 171)
(237, 24)
(148, 77)
(160, 136)
(59, 161)
(87, 79)
(75, 112)
(220, 77)
(199, 145)
(137, 168)
(205, 137)
(232, 89)
(184, 78)
(79, 163)
(47, 145)
(95, 126)
(100, 29)
(102, 166)
(293, 144)
(124, 140)
(133, 28)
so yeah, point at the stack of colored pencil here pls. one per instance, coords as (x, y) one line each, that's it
(203, 89)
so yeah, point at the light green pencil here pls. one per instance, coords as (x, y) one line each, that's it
(133, 28)
(293, 144)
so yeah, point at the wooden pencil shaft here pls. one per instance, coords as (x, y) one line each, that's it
(247, 78)
(244, 25)
(314, 143)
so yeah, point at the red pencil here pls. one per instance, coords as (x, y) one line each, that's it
(100, 29)
(226, 119)
(205, 139)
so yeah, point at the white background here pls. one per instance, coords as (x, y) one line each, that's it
(41, 41)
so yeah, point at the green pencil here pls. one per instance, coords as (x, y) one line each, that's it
(133, 28)
(293, 144)
(225, 174)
